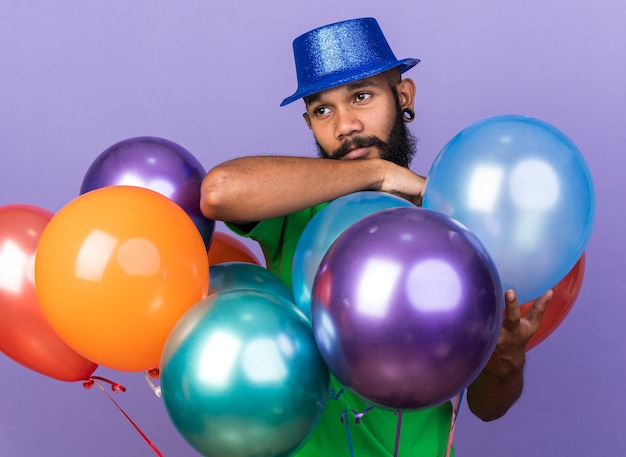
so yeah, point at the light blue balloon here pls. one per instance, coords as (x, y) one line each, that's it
(324, 229)
(242, 275)
(241, 376)
(525, 190)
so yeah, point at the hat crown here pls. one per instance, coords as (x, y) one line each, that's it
(338, 53)
(340, 47)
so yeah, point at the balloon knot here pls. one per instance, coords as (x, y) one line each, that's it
(334, 395)
(357, 415)
(115, 387)
(154, 373)
(149, 375)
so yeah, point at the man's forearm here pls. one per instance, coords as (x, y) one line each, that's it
(251, 189)
(497, 387)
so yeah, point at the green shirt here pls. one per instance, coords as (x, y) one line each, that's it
(424, 433)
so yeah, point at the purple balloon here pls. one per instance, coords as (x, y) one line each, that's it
(157, 164)
(407, 307)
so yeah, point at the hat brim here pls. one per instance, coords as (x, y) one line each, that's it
(340, 80)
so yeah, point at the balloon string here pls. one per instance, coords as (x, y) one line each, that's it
(357, 420)
(345, 411)
(455, 414)
(359, 415)
(336, 395)
(115, 387)
(154, 373)
(395, 449)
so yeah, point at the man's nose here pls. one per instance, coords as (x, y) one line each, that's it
(346, 124)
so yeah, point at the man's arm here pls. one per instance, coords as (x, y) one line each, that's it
(500, 383)
(251, 189)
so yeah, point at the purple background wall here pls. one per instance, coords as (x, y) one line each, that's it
(78, 76)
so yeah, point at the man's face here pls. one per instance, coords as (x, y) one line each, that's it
(360, 120)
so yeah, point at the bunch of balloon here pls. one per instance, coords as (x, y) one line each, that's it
(25, 334)
(324, 229)
(563, 299)
(241, 376)
(157, 164)
(115, 269)
(406, 308)
(524, 189)
(227, 248)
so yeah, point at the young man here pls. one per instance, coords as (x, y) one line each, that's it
(357, 106)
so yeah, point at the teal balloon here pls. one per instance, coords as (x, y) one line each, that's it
(242, 275)
(324, 229)
(241, 376)
(525, 190)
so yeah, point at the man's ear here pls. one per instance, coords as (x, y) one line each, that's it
(406, 93)
(307, 119)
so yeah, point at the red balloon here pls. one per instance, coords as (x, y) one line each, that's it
(25, 334)
(227, 248)
(563, 298)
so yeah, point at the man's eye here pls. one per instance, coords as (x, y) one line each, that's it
(362, 96)
(322, 110)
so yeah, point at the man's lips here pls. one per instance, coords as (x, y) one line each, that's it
(358, 153)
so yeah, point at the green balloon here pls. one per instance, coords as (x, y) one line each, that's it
(241, 275)
(241, 376)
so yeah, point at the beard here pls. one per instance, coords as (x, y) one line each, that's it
(399, 148)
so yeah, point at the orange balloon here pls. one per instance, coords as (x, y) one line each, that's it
(25, 334)
(115, 269)
(563, 298)
(227, 248)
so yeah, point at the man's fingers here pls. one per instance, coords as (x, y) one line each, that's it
(512, 313)
(539, 307)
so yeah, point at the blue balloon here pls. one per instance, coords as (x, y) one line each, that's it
(324, 229)
(524, 189)
(242, 275)
(241, 376)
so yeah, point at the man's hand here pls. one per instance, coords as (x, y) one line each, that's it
(500, 383)
(509, 354)
(403, 182)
